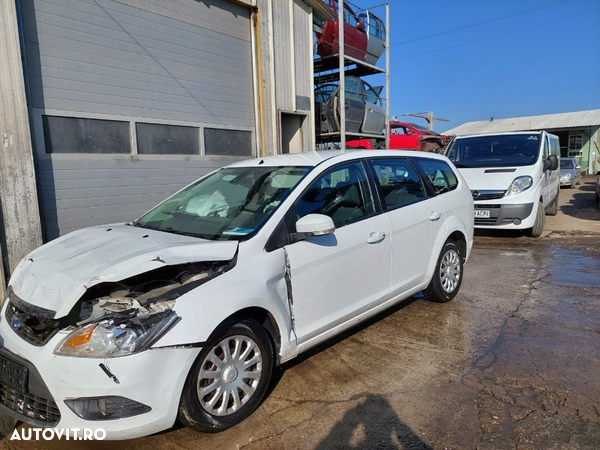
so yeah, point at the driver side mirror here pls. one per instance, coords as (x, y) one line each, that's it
(551, 163)
(313, 225)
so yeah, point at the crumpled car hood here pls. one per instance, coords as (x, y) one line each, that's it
(56, 275)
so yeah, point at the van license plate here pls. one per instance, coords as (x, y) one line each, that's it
(485, 213)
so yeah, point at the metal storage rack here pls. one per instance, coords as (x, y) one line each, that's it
(335, 68)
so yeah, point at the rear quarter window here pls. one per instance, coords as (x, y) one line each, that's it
(439, 174)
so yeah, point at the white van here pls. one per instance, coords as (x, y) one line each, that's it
(513, 178)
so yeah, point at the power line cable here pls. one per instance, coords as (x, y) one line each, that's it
(484, 39)
(475, 24)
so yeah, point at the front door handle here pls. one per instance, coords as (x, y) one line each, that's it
(375, 238)
(434, 216)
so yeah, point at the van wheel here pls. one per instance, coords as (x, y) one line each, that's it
(447, 276)
(229, 379)
(554, 208)
(540, 222)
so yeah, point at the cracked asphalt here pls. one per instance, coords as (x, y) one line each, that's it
(512, 362)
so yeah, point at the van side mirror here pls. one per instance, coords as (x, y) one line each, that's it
(551, 163)
(313, 225)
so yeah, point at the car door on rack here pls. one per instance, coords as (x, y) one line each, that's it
(374, 120)
(336, 277)
(416, 218)
(354, 105)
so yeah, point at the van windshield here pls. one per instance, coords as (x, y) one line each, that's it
(495, 151)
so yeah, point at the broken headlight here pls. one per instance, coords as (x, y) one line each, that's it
(116, 336)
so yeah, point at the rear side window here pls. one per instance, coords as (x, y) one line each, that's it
(342, 194)
(399, 183)
(439, 174)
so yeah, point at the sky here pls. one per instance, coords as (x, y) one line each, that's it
(469, 60)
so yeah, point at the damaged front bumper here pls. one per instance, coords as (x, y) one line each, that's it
(151, 380)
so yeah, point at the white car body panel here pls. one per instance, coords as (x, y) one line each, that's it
(333, 289)
(56, 275)
(414, 236)
(342, 277)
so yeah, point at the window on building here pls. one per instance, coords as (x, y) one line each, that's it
(157, 139)
(77, 135)
(575, 145)
(227, 142)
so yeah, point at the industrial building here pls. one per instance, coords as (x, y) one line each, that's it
(109, 106)
(578, 133)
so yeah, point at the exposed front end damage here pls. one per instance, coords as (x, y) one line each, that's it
(134, 312)
(92, 350)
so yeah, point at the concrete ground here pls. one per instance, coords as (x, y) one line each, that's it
(512, 362)
(579, 211)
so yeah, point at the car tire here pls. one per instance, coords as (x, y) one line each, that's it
(448, 274)
(553, 210)
(540, 222)
(195, 409)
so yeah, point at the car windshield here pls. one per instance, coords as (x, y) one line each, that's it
(495, 151)
(231, 203)
(566, 164)
(423, 129)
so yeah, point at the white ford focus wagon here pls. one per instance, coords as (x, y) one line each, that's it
(183, 313)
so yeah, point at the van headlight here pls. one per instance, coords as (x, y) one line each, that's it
(117, 336)
(519, 184)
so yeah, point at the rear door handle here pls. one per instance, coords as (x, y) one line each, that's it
(375, 238)
(434, 216)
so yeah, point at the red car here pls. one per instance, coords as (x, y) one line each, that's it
(406, 136)
(355, 35)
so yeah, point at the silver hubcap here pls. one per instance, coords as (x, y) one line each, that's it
(450, 270)
(229, 375)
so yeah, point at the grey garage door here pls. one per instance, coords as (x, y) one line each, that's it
(132, 99)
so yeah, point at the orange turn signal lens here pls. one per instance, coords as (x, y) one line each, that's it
(82, 337)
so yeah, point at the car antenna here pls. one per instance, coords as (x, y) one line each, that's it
(262, 161)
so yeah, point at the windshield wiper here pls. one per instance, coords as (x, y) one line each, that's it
(462, 166)
(184, 233)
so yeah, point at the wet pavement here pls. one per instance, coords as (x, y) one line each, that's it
(512, 362)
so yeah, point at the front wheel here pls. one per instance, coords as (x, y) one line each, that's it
(229, 379)
(447, 276)
(540, 222)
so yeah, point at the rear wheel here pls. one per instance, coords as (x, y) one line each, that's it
(447, 276)
(540, 222)
(229, 379)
